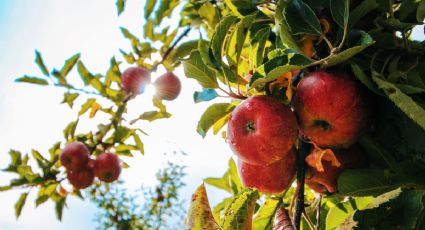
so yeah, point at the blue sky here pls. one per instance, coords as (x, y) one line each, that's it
(32, 116)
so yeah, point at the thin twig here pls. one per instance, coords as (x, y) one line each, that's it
(70, 87)
(168, 51)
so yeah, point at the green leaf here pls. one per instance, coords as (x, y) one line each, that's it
(238, 38)
(213, 113)
(420, 13)
(366, 80)
(364, 182)
(402, 101)
(85, 75)
(120, 6)
(343, 211)
(204, 95)
(340, 11)
(39, 61)
(16, 157)
(150, 5)
(219, 209)
(154, 115)
(69, 131)
(221, 32)
(301, 18)
(195, 68)
(5, 188)
(264, 217)
(86, 106)
(41, 161)
(69, 98)
(345, 55)
(59, 208)
(400, 212)
(258, 43)
(361, 10)
(239, 213)
(26, 171)
(32, 80)
(138, 143)
(229, 182)
(69, 64)
(241, 7)
(20, 204)
(164, 10)
(285, 34)
(199, 214)
(210, 14)
(157, 102)
(121, 134)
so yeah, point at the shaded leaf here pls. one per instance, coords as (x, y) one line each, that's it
(402, 101)
(301, 18)
(59, 208)
(69, 98)
(340, 11)
(150, 5)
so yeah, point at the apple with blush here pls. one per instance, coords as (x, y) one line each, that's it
(74, 156)
(81, 179)
(273, 178)
(333, 109)
(135, 79)
(107, 167)
(261, 130)
(168, 86)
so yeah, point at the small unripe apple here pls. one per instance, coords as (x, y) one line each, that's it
(74, 156)
(107, 167)
(135, 79)
(81, 179)
(168, 86)
(261, 130)
(273, 178)
(327, 181)
(332, 108)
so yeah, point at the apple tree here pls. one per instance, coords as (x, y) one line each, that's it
(324, 111)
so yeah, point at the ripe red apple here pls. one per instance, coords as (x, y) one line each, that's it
(168, 86)
(74, 156)
(135, 79)
(273, 178)
(107, 167)
(81, 179)
(261, 130)
(327, 181)
(332, 108)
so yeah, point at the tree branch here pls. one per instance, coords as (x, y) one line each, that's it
(299, 205)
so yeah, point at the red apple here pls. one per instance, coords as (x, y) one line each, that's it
(273, 178)
(74, 156)
(135, 79)
(332, 108)
(81, 179)
(327, 181)
(261, 130)
(107, 167)
(168, 86)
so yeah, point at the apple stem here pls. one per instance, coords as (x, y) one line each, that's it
(299, 203)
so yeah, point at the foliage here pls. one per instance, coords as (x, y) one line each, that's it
(248, 47)
(120, 210)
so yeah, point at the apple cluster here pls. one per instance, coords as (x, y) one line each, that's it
(81, 169)
(135, 79)
(330, 110)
